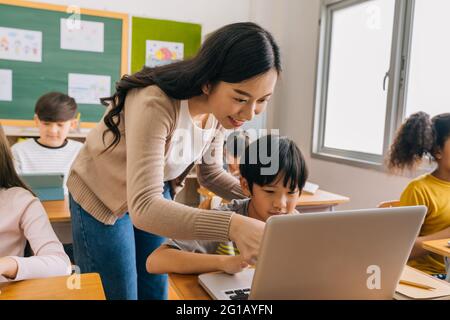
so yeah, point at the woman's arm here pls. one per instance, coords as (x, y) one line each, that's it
(419, 251)
(49, 260)
(169, 260)
(149, 120)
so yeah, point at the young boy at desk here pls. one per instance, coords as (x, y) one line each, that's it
(55, 115)
(270, 193)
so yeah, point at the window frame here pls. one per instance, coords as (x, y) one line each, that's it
(396, 89)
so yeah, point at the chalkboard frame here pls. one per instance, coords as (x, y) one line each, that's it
(123, 17)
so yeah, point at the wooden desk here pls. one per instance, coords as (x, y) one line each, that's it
(320, 201)
(186, 287)
(57, 211)
(91, 288)
(438, 246)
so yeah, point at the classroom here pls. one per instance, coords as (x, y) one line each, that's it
(216, 149)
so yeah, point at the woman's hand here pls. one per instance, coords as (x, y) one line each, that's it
(247, 234)
(8, 267)
(232, 264)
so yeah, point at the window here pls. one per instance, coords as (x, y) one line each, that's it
(359, 58)
(428, 81)
(379, 61)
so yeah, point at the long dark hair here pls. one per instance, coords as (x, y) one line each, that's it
(8, 175)
(232, 54)
(418, 136)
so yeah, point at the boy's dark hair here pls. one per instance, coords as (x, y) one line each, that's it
(55, 106)
(418, 136)
(291, 163)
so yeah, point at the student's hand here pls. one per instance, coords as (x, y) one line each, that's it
(247, 234)
(232, 264)
(8, 267)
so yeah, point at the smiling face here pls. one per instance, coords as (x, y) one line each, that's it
(235, 103)
(271, 199)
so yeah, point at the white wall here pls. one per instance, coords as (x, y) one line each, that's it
(294, 24)
(211, 14)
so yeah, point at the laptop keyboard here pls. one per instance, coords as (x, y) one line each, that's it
(238, 294)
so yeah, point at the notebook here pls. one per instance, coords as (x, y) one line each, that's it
(310, 188)
(406, 292)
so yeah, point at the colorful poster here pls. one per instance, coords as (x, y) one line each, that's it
(20, 44)
(82, 35)
(5, 85)
(159, 53)
(89, 88)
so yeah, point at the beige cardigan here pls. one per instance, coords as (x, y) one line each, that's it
(130, 177)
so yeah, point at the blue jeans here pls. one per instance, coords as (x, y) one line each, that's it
(118, 253)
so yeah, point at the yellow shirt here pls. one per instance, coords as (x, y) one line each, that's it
(435, 194)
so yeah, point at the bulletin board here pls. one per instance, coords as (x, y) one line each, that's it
(166, 36)
(58, 61)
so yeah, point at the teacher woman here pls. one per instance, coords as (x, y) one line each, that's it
(159, 122)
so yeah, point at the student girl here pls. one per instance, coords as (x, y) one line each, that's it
(159, 122)
(420, 136)
(22, 219)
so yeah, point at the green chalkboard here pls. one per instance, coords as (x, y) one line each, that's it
(144, 29)
(30, 80)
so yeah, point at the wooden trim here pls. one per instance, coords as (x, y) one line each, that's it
(125, 27)
(31, 124)
(91, 12)
(55, 7)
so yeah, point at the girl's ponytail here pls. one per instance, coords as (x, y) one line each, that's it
(414, 139)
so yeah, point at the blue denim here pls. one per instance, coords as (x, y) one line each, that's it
(447, 268)
(118, 253)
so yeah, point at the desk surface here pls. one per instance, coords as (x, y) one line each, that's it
(57, 211)
(54, 289)
(186, 287)
(321, 197)
(438, 246)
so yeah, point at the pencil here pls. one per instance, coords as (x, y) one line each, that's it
(415, 284)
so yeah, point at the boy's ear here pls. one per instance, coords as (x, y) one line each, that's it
(36, 120)
(206, 89)
(74, 123)
(245, 187)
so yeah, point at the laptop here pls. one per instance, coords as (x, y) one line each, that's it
(358, 254)
(46, 186)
